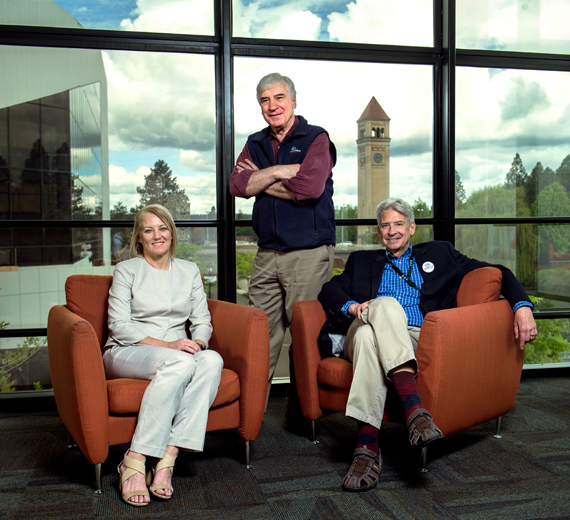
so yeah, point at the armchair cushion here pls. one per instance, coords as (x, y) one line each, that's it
(125, 395)
(335, 372)
(480, 286)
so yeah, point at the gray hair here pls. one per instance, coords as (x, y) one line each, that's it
(399, 205)
(272, 80)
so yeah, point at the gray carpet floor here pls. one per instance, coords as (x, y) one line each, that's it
(472, 475)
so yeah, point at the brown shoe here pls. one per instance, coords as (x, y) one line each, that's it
(422, 429)
(364, 472)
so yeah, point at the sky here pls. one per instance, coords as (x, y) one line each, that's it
(161, 106)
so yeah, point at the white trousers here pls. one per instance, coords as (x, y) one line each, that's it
(174, 408)
(375, 344)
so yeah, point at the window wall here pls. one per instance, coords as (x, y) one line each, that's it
(457, 106)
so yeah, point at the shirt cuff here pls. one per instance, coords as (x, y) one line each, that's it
(518, 305)
(344, 308)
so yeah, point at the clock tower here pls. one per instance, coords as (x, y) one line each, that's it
(373, 144)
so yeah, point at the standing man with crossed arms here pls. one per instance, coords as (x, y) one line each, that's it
(287, 167)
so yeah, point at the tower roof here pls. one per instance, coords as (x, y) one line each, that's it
(374, 111)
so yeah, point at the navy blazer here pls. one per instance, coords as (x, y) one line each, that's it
(362, 275)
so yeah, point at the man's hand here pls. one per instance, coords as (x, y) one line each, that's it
(525, 326)
(247, 165)
(268, 179)
(356, 308)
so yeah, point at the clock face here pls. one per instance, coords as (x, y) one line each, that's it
(362, 158)
(378, 157)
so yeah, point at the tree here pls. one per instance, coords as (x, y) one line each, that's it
(120, 212)
(158, 184)
(563, 173)
(552, 201)
(550, 342)
(531, 185)
(460, 196)
(421, 209)
(517, 175)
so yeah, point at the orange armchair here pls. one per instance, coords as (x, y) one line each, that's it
(100, 413)
(469, 363)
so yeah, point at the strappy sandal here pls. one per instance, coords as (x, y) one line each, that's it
(166, 462)
(364, 472)
(422, 429)
(133, 466)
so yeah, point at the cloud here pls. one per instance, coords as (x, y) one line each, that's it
(384, 22)
(521, 98)
(175, 16)
(159, 100)
(123, 184)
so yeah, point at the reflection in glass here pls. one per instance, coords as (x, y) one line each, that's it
(354, 21)
(514, 25)
(174, 16)
(35, 262)
(382, 131)
(512, 133)
(24, 364)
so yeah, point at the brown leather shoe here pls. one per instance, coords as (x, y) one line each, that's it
(364, 472)
(422, 429)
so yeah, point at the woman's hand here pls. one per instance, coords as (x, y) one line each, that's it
(184, 345)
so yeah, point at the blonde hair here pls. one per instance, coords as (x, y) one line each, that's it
(136, 248)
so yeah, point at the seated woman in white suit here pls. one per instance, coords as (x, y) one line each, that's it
(152, 297)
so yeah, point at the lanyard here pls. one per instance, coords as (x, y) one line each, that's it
(405, 277)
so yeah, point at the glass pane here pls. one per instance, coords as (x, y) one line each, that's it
(35, 262)
(246, 249)
(147, 123)
(382, 131)
(512, 157)
(24, 364)
(170, 16)
(513, 25)
(355, 21)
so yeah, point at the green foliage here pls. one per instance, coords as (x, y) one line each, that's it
(346, 233)
(186, 251)
(460, 196)
(554, 281)
(12, 359)
(552, 201)
(421, 209)
(550, 342)
(516, 176)
(244, 263)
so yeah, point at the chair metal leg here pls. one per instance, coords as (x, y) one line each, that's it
(98, 478)
(423, 469)
(71, 441)
(247, 454)
(498, 430)
(314, 432)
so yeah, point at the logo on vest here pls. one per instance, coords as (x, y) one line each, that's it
(294, 149)
(428, 267)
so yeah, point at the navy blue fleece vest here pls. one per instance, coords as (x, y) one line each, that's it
(285, 225)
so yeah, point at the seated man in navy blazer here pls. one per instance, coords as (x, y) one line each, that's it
(377, 307)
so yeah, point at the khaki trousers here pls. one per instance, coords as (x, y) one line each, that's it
(375, 344)
(279, 280)
(175, 405)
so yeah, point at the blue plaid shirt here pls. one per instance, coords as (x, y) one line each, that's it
(409, 298)
(394, 285)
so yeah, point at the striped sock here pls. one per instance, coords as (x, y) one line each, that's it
(368, 437)
(405, 384)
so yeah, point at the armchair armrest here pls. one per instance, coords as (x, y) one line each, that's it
(469, 365)
(78, 378)
(308, 318)
(241, 337)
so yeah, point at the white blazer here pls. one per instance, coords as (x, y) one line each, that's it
(144, 301)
